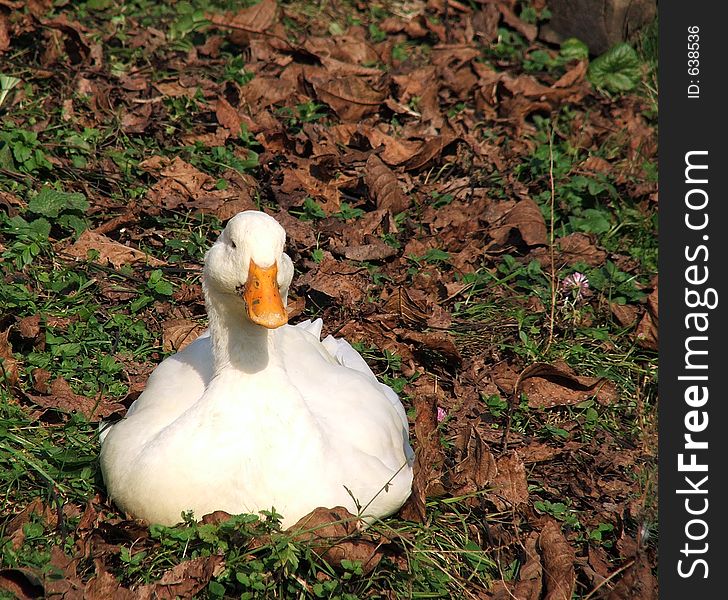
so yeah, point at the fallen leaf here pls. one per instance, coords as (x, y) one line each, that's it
(227, 116)
(333, 534)
(428, 152)
(400, 303)
(109, 251)
(548, 385)
(22, 584)
(344, 283)
(8, 363)
(648, 326)
(13, 528)
(62, 397)
(526, 218)
(475, 466)
(4, 33)
(528, 30)
(351, 98)
(384, 186)
(510, 486)
(41, 380)
(429, 458)
(177, 334)
(104, 585)
(375, 250)
(183, 580)
(136, 119)
(626, 314)
(441, 343)
(301, 180)
(558, 562)
(637, 582)
(254, 19)
(529, 584)
(69, 585)
(29, 327)
(580, 247)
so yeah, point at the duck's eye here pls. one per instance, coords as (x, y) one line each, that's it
(233, 244)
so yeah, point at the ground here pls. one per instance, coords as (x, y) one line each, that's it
(475, 209)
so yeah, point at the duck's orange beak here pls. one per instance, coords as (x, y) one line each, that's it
(262, 298)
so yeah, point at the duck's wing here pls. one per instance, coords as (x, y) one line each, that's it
(175, 385)
(344, 354)
(340, 350)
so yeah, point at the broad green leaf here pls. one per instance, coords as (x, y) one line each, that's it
(574, 48)
(50, 203)
(617, 70)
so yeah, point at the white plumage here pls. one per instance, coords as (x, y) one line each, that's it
(250, 417)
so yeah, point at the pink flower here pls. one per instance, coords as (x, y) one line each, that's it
(441, 414)
(577, 283)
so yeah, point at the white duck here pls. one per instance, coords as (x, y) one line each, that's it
(257, 414)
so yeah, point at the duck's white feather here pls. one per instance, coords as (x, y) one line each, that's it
(312, 427)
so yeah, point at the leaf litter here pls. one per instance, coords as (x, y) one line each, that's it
(394, 156)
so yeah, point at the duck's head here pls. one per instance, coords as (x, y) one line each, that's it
(247, 262)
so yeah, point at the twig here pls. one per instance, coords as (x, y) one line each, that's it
(612, 576)
(552, 262)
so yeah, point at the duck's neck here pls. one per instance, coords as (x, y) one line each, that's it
(237, 343)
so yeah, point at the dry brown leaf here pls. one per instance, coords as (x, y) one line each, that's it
(136, 119)
(440, 342)
(375, 250)
(253, 19)
(637, 582)
(23, 584)
(69, 586)
(74, 41)
(179, 333)
(333, 534)
(104, 586)
(384, 186)
(297, 231)
(13, 529)
(4, 33)
(421, 85)
(227, 116)
(573, 76)
(475, 466)
(400, 303)
(648, 326)
(580, 247)
(109, 251)
(530, 575)
(558, 562)
(41, 380)
(528, 30)
(526, 218)
(8, 363)
(183, 580)
(29, 327)
(626, 314)
(174, 89)
(301, 180)
(428, 152)
(351, 98)
(261, 92)
(62, 397)
(429, 458)
(510, 486)
(185, 174)
(344, 283)
(340, 52)
(548, 385)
